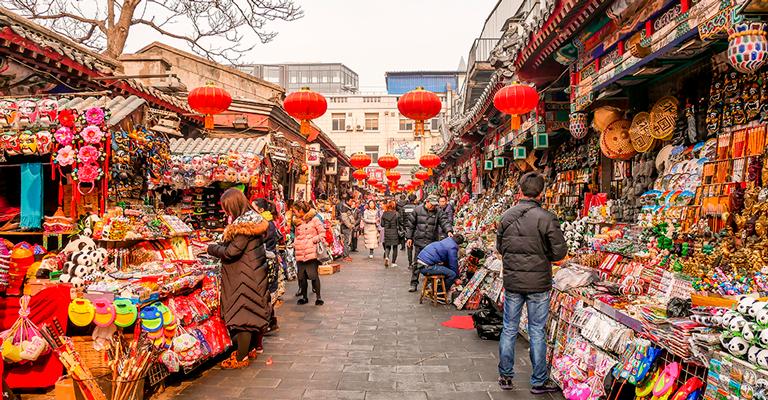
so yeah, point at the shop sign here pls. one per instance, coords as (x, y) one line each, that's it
(714, 18)
(344, 174)
(313, 154)
(377, 173)
(331, 166)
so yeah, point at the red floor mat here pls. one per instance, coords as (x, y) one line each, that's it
(460, 322)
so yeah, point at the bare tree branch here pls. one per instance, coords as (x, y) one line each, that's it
(215, 29)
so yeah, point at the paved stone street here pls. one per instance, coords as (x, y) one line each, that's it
(362, 344)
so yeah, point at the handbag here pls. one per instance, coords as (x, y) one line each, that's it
(322, 252)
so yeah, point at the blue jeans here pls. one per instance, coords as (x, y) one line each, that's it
(450, 276)
(538, 313)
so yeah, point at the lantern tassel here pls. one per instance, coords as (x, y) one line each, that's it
(209, 122)
(418, 128)
(306, 130)
(429, 171)
(514, 122)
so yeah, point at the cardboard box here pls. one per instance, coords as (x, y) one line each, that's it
(325, 270)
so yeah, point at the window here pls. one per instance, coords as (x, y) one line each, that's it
(371, 121)
(294, 76)
(435, 122)
(373, 152)
(406, 124)
(336, 76)
(338, 122)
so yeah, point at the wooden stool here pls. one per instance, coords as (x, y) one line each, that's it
(430, 290)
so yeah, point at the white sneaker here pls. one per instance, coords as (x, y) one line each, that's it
(370, 256)
(386, 262)
(394, 265)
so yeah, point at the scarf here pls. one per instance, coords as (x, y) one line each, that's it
(267, 215)
(31, 195)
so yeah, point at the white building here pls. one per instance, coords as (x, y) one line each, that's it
(372, 124)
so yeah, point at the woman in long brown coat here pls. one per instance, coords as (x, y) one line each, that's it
(245, 301)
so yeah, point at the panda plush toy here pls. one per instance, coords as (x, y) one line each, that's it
(752, 354)
(750, 331)
(744, 305)
(738, 346)
(762, 339)
(762, 358)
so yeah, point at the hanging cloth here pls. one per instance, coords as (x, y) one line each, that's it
(31, 195)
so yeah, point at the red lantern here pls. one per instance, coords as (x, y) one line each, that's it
(421, 174)
(429, 161)
(388, 162)
(305, 105)
(209, 100)
(360, 160)
(393, 176)
(304, 168)
(416, 182)
(516, 99)
(372, 181)
(360, 175)
(419, 105)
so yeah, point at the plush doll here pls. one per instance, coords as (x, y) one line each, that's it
(738, 346)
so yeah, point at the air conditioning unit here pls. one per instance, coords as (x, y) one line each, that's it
(359, 127)
(349, 127)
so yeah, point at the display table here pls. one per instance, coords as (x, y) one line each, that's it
(45, 305)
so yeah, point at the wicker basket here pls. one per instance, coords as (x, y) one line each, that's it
(92, 358)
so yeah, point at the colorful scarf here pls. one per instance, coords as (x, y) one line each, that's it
(31, 195)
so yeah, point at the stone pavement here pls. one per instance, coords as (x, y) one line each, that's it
(362, 344)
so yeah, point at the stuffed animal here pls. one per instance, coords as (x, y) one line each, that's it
(750, 331)
(762, 339)
(761, 317)
(727, 317)
(744, 305)
(736, 324)
(738, 346)
(762, 358)
(755, 307)
(752, 354)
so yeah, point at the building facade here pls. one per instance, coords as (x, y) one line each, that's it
(324, 78)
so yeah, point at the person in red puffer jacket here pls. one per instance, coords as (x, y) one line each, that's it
(309, 231)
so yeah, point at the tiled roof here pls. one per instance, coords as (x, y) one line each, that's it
(120, 106)
(218, 145)
(175, 101)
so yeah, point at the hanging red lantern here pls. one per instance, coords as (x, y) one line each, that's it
(360, 160)
(421, 174)
(360, 175)
(516, 99)
(429, 161)
(372, 181)
(416, 182)
(388, 162)
(393, 176)
(209, 100)
(304, 168)
(419, 105)
(305, 105)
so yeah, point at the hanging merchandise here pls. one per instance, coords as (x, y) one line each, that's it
(578, 125)
(747, 46)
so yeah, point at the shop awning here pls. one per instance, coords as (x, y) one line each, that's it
(191, 146)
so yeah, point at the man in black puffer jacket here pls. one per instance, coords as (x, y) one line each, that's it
(529, 241)
(421, 229)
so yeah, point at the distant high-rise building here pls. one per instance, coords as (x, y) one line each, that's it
(434, 81)
(324, 78)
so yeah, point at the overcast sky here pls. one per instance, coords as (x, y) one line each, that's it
(369, 36)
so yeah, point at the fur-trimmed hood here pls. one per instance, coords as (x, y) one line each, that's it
(307, 217)
(251, 224)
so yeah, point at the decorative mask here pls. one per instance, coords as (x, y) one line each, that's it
(175, 164)
(243, 176)
(28, 143)
(186, 163)
(43, 142)
(27, 112)
(208, 162)
(197, 163)
(231, 175)
(200, 180)
(223, 159)
(220, 174)
(48, 110)
(11, 143)
(233, 158)
(253, 162)
(9, 110)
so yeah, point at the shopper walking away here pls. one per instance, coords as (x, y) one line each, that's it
(442, 258)
(357, 213)
(422, 229)
(265, 208)
(371, 230)
(402, 201)
(390, 220)
(309, 231)
(245, 301)
(529, 240)
(347, 226)
(405, 214)
(449, 212)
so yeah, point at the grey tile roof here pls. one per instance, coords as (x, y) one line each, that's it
(217, 145)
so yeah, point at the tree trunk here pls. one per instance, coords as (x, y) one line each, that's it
(118, 33)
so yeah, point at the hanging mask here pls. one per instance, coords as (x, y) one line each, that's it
(27, 112)
(243, 176)
(48, 109)
(208, 162)
(231, 175)
(223, 159)
(197, 163)
(176, 164)
(11, 143)
(28, 143)
(186, 163)
(220, 174)
(200, 180)
(233, 158)
(253, 161)
(43, 142)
